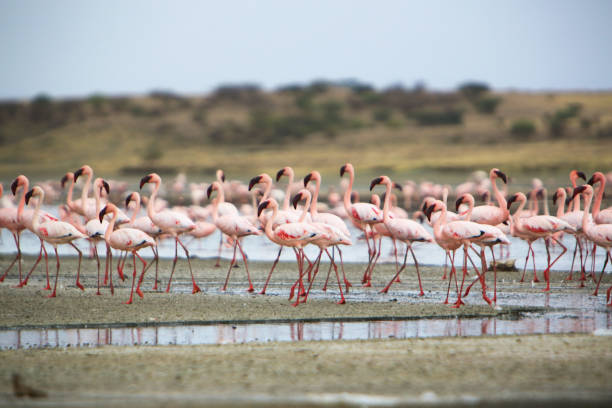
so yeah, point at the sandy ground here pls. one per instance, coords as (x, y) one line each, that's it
(560, 370)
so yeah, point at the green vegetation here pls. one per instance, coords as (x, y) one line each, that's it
(247, 130)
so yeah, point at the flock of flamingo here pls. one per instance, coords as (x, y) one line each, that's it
(288, 225)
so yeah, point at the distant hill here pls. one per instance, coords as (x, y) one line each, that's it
(245, 130)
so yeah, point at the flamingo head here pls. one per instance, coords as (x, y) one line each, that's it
(512, 199)
(354, 197)
(67, 177)
(347, 167)
(263, 205)
(296, 199)
(597, 177)
(102, 184)
(150, 178)
(21, 180)
(540, 193)
(110, 208)
(255, 180)
(220, 175)
(307, 179)
(584, 189)
(398, 186)
(558, 194)
(459, 201)
(130, 197)
(430, 209)
(83, 170)
(285, 171)
(209, 191)
(500, 174)
(377, 180)
(28, 196)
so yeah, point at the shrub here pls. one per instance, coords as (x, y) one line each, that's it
(435, 118)
(523, 128)
(473, 89)
(487, 104)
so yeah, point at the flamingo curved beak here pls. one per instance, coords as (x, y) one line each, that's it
(28, 196)
(262, 207)
(578, 190)
(342, 170)
(222, 176)
(105, 186)
(581, 175)
(502, 176)
(102, 214)
(307, 179)
(429, 210)
(145, 180)
(280, 174)
(254, 180)
(398, 186)
(128, 199)
(376, 181)
(14, 186)
(458, 203)
(78, 173)
(511, 200)
(555, 196)
(209, 191)
(591, 180)
(296, 200)
(64, 180)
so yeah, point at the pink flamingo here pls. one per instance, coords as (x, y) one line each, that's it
(328, 236)
(126, 239)
(364, 215)
(235, 227)
(54, 232)
(18, 219)
(327, 218)
(600, 216)
(537, 226)
(401, 229)
(599, 234)
(96, 228)
(451, 236)
(146, 225)
(494, 236)
(295, 235)
(170, 222)
(488, 214)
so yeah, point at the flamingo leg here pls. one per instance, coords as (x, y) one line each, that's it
(609, 256)
(459, 302)
(494, 276)
(263, 291)
(246, 267)
(446, 257)
(25, 281)
(53, 294)
(12, 263)
(144, 270)
(299, 253)
(324, 289)
(452, 272)
(230, 266)
(95, 248)
(78, 282)
(317, 263)
(535, 276)
(371, 253)
(109, 256)
(483, 263)
(569, 278)
(599, 281)
(547, 271)
(156, 260)
(481, 278)
(526, 262)
(394, 278)
(196, 288)
(218, 263)
(173, 264)
(342, 300)
(347, 284)
(396, 261)
(133, 279)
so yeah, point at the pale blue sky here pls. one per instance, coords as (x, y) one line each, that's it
(74, 48)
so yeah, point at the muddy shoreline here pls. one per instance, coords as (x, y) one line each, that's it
(536, 370)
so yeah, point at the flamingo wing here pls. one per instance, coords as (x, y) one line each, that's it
(130, 239)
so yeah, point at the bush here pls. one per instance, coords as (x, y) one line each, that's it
(436, 118)
(381, 115)
(473, 89)
(523, 128)
(487, 104)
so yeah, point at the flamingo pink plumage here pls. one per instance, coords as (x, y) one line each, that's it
(54, 232)
(170, 222)
(126, 239)
(235, 227)
(488, 214)
(401, 229)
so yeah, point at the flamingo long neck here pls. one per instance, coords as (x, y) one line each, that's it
(519, 210)
(444, 195)
(288, 191)
(585, 216)
(470, 202)
(534, 204)
(268, 227)
(24, 190)
(386, 203)
(349, 190)
(437, 227)
(546, 212)
(306, 206)
(97, 197)
(136, 209)
(151, 204)
(561, 205)
(600, 192)
(69, 201)
(266, 193)
(576, 201)
(315, 198)
(111, 227)
(35, 219)
(501, 201)
(85, 191)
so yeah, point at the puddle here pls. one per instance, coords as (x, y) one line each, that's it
(528, 323)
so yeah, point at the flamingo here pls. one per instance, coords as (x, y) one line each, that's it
(494, 236)
(283, 216)
(170, 222)
(126, 239)
(329, 236)
(453, 235)
(327, 218)
(295, 235)
(54, 232)
(147, 226)
(599, 234)
(364, 215)
(88, 205)
(402, 229)
(225, 208)
(96, 228)
(235, 227)
(18, 219)
(600, 216)
(534, 227)
(488, 214)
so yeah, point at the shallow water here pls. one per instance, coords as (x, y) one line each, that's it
(259, 248)
(527, 323)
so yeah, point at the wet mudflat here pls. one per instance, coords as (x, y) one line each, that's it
(566, 368)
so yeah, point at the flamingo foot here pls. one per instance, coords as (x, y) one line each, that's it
(139, 292)
(385, 290)
(52, 295)
(98, 293)
(48, 287)
(129, 302)
(422, 293)
(367, 284)
(263, 292)
(250, 289)
(197, 289)
(535, 280)
(80, 286)
(341, 302)
(155, 286)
